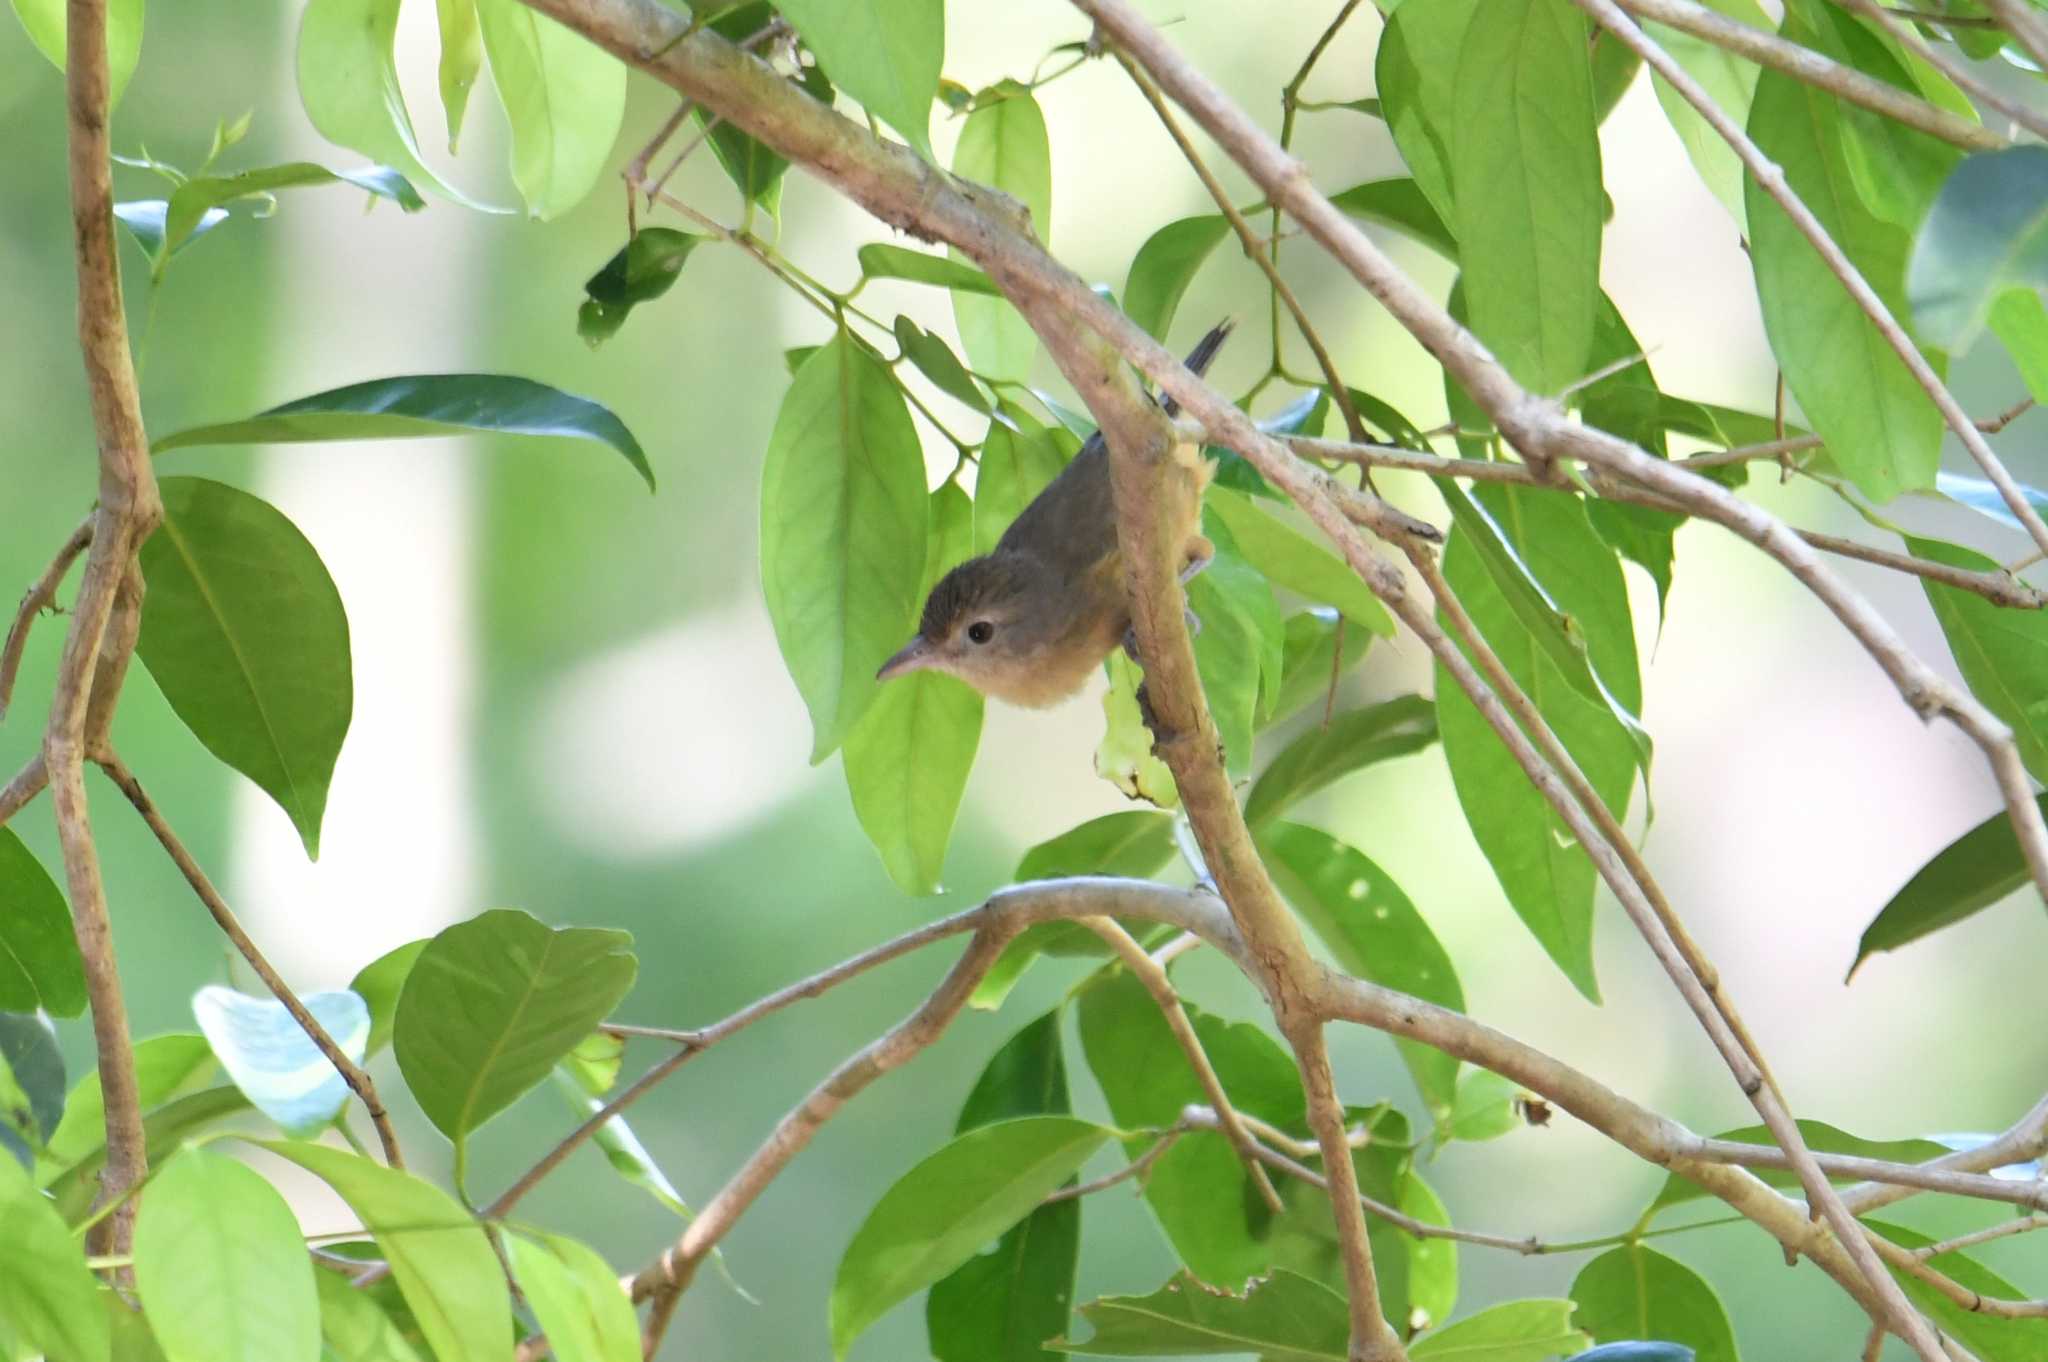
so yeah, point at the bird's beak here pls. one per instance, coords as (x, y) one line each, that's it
(915, 656)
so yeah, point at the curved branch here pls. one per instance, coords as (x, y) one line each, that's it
(39, 597)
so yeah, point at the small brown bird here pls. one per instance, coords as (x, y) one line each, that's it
(1029, 621)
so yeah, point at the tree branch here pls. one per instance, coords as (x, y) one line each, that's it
(39, 597)
(2020, 21)
(2020, 112)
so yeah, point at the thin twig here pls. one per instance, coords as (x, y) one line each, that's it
(2020, 112)
(1976, 1302)
(38, 598)
(596, 1121)
(1999, 587)
(2020, 21)
(26, 785)
(1152, 978)
(1931, 1176)
(352, 1073)
(2024, 1141)
(1136, 1168)
(2024, 1224)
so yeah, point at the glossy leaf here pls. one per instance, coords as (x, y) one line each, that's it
(1309, 658)
(1855, 392)
(277, 1065)
(936, 361)
(1292, 560)
(379, 985)
(1525, 158)
(51, 1302)
(1821, 1138)
(31, 1085)
(1016, 465)
(220, 1265)
(908, 758)
(439, 1255)
(145, 220)
(1987, 1336)
(192, 202)
(564, 98)
(422, 405)
(1003, 144)
(44, 21)
(1282, 1317)
(1373, 931)
(1164, 267)
(1124, 756)
(1400, 204)
(1353, 741)
(1518, 1331)
(492, 1004)
(843, 533)
(1634, 1292)
(2002, 653)
(1001, 1305)
(1731, 81)
(462, 56)
(244, 633)
(1978, 869)
(348, 83)
(879, 260)
(39, 963)
(576, 1299)
(355, 1328)
(940, 1213)
(164, 1067)
(885, 53)
(641, 271)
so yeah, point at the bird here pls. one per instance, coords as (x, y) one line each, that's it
(1027, 622)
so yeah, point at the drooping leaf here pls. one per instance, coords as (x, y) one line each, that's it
(1374, 932)
(1821, 1138)
(1634, 1292)
(1525, 158)
(844, 524)
(462, 56)
(1164, 267)
(39, 962)
(576, 1299)
(564, 98)
(1399, 203)
(420, 405)
(1518, 1331)
(2003, 653)
(941, 1212)
(31, 1085)
(44, 21)
(1292, 560)
(1003, 144)
(642, 270)
(1353, 741)
(885, 53)
(936, 361)
(244, 633)
(51, 1302)
(492, 1004)
(879, 260)
(379, 985)
(220, 1265)
(439, 1254)
(1281, 1317)
(908, 758)
(277, 1065)
(1970, 874)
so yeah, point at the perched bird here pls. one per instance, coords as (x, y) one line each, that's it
(1029, 621)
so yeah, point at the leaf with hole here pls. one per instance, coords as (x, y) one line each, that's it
(275, 1063)
(244, 633)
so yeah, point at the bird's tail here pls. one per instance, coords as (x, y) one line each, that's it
(1199, 357)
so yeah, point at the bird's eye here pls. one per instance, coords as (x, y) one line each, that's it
(981, 631)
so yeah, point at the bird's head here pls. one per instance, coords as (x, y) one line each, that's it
(991, 622)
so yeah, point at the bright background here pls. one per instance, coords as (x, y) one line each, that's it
(568, 698)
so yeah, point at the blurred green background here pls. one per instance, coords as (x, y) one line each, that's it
(568, 698)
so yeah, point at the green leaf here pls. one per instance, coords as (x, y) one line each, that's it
(1544, 873)
(623, 1150)
(1731, 81)
(999, 1306)
(1399, 203)
(564, 98)
(879, 260)
(348, 82)
(1432, 1263)
(379, 985)
(221, 1268)
(354, 1328)
(421, 405)
(1374, 932)
(1635, 1292)
(164, 1066)
(885, 53)
(843, 532)
(1986, 233)
(1238, 651)
(2002, 653)
(244, 633)
(1484, 1108)
(1856, 393)
(1309, 661)
(1978, 869)
(1164, 267)
(1821, 1138)
(2008, 1340)
(462, 56)
(275, 1064)
(1416, 73)
(1525, 155)
(51, 1302)
(642, 270)
(940, 1213)
(1292, 560)
(44, 21)
(31, 1085)
(753, 169)
(492, 1004)
(2020, 320)
(936, 361)
(145, 219)
(1304, 1239)
(1003, 144)
(164, 1130)
(1628, 403)
(576, 1299)
(194, 200)
(1519, 1331)
(1124, 756)
(1016, 465)
(1282, 1317)
(439, 1254)
(39, 962)
(1353, 741)
(595, 1062)
(908, 757)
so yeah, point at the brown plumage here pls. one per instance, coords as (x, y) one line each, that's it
(1030, 620)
